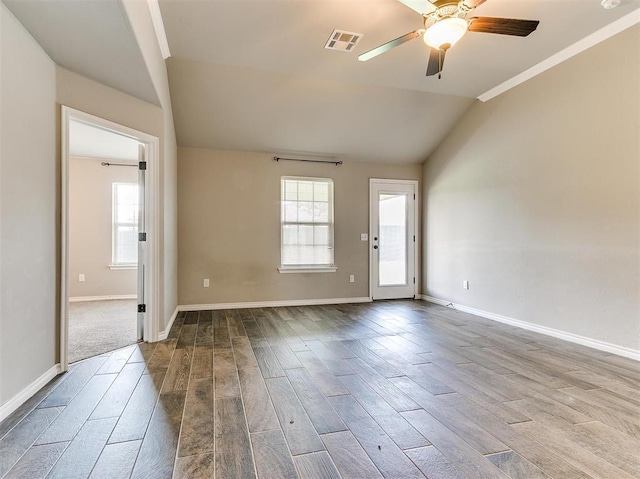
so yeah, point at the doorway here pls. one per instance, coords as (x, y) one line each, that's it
(109, 180)
(393, 253)
(104, 219)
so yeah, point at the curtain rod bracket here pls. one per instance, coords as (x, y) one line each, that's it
(278, 158)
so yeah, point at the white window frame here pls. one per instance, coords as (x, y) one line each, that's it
(115, 264)
(308, 268)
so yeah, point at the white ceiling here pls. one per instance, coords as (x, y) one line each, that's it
(87, 141)
(90, 37)
(232, 108)
(288, 36)
(253, 74)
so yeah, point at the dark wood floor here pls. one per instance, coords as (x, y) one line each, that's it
(397, 389)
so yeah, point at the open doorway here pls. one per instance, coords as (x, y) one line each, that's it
(108, 224)
(103, 245)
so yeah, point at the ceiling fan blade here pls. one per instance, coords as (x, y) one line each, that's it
(503, 26)
(389, 45)
(419, 6)
(473, 3)
(436, 61)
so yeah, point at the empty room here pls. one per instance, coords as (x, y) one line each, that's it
(320, 239)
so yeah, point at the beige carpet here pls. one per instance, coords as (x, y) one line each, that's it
(96, 327)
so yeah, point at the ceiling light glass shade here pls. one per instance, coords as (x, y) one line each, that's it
(445, 33)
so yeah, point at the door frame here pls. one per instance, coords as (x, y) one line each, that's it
(415, 183)
(152, 217)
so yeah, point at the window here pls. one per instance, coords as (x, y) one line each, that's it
(125, 224)
(307, 225)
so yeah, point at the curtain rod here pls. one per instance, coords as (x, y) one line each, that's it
(104, 163)
(337, 163)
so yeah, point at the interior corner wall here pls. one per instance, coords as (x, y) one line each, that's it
(141, 23)
(229, 227)
(91, 230)
(170, 210)
(534, 198)
(28, 189)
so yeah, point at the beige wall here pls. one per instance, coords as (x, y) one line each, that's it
(28, 286)
(83, 94)
(90, 229)
(229, 227)
(30, 197)
(534, 199)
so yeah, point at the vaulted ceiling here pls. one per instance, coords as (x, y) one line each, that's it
(90, 37)
(253, 74)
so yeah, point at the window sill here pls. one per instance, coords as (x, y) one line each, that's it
(307, 269)
(123, 266)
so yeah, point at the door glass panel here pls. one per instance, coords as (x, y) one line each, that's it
(393, 239)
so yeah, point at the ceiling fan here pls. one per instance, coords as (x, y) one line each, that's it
(446, 22)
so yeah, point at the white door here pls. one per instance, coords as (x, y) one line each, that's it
(393, 238)
(142, 240)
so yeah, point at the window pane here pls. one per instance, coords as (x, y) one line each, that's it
(321, 235)
(305, 211)
(125, 223)
(127, 213)
(321, 191)
(305, 235)
(127, 244)
(305, 191)
(393, 239)
(127, 203)
(290, 190)
(305, 202)
(128, 193)
(307, 255)
(290, 235)
(290, 211)
(321, 212)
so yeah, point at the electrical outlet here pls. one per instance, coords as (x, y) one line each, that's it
(81, 278)
(352, 278)
(465, 284)
(364, 237)
(205, 283)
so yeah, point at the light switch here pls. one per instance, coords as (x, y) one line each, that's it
(364, 237)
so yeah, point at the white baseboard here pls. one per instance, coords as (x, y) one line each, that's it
(164, 333)
(556, 333)
(19, 399)
(273, 304)
(80, 299)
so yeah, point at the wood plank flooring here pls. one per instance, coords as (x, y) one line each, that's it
(392, 389)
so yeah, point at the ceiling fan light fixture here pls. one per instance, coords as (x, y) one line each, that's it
(445, 33)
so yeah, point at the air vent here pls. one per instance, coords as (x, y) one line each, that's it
(343, 41)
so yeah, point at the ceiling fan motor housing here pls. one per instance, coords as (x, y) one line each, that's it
(445, 10)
